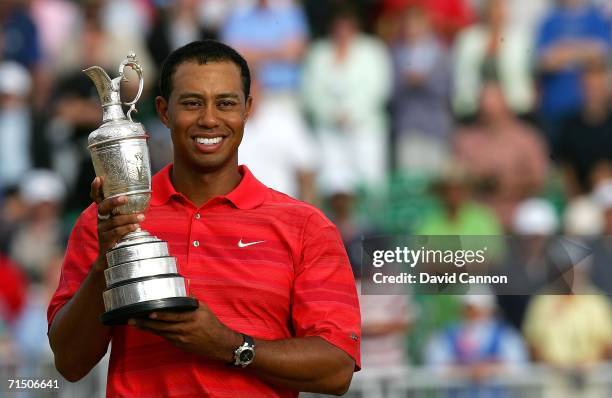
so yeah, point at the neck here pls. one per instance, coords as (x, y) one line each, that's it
(201, 186)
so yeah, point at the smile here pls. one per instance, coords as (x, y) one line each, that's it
(208, 141)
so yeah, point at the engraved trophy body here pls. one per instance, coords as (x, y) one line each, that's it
(141, 276)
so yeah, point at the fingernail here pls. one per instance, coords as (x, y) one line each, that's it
(135, 226)
(153, 315)
(122, 199)
(140, 217)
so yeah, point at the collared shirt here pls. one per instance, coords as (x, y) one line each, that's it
(294, 282)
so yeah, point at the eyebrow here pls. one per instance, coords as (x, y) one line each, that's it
(200, 96)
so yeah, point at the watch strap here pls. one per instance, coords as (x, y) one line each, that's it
(247, 343)
(246, 339)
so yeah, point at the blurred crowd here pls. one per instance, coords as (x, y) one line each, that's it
(466, 117)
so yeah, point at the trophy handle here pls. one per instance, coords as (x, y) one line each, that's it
(133, 63)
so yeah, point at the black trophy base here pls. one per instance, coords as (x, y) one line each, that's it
(121, 315)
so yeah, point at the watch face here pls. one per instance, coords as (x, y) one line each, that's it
(246, 356)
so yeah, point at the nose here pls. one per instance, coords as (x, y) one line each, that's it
(208, 118)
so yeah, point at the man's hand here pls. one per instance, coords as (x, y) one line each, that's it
(197, 331)
(111, 227)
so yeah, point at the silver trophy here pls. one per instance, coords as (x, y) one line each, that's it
(141, 276)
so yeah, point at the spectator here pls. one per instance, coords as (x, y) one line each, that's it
(385, 320)
(288, 163)
(19, 35)
(56, 21)
(506, 157)
(421, 116)
(584, 141)
(272, 35)
(480, 347)
(43, 192)
(534, 223)
(176, 24)
(347, 81)
(572, 34)
(493, 49)
(15, 123)
(341, 202)
(571, 331)
(459, 214)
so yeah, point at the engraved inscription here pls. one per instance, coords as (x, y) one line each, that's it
(125, 167)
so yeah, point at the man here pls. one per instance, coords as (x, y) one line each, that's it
(506, 157)
(584, 148)
(574, 33)
(261, 264)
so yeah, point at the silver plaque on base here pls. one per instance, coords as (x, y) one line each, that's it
(141, 276)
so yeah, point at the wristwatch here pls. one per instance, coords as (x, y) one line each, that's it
(245, 353)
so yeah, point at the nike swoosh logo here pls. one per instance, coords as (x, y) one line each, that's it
(241, 244)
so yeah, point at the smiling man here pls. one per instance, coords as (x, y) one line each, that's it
(278, 308)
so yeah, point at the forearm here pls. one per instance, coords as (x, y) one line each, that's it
(77, 337)
(303, 364)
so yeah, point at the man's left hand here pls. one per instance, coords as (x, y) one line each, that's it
(198, 331)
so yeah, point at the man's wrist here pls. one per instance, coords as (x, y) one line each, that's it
(244, 354)
(231, 342)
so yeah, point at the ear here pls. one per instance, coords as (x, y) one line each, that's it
(161, 105)
(248, 108)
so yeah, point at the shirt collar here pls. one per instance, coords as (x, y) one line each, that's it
(249, 193)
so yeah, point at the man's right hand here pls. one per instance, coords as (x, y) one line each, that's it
(113, 228)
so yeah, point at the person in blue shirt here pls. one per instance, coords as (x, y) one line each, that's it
(477, 349)
(574, 33)
(272, 35)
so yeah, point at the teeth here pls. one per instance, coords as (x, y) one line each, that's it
(208, 141)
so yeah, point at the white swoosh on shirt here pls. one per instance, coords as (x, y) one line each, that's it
(241, 244)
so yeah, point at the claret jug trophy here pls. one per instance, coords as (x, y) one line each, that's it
(141, 276)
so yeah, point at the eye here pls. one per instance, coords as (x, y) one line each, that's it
(226, 104)
(191, 104)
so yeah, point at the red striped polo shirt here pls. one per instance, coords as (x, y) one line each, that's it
(295, 282)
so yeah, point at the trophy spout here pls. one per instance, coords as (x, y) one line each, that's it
(108, 91)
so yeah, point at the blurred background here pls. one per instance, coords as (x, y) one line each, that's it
(466, 117)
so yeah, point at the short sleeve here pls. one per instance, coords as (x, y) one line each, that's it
(80, 254)
(324, 297)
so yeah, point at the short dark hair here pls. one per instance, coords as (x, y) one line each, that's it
(203, 52)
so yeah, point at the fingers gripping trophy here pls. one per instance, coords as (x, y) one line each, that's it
(141, 276)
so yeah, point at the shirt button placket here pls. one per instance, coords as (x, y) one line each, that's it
(196, 243)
